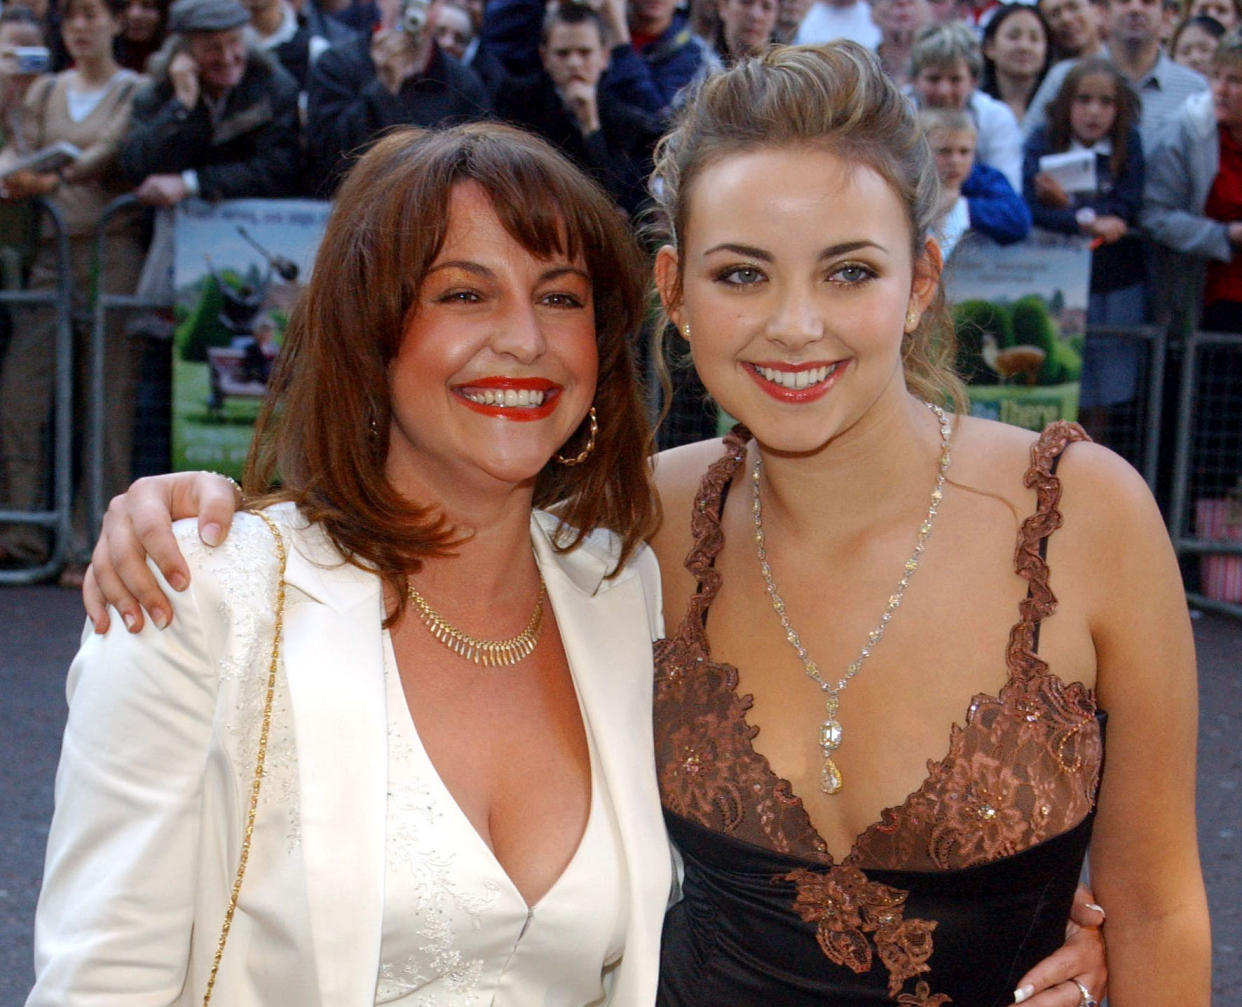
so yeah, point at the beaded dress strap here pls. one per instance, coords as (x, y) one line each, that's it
(1030, 561)
(705, 530)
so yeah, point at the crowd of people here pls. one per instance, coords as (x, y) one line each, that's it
(218, 99)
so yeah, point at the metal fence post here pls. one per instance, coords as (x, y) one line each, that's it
(57, 519)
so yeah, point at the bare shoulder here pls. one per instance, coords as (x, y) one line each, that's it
(1112, 544)
(678, 474)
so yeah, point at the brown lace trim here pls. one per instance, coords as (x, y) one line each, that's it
(1040, 602)
(852, 914)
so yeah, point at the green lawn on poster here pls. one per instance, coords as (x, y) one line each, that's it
(202, 439)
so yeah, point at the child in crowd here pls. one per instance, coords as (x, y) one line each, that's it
(973, 195)
(1096, 110)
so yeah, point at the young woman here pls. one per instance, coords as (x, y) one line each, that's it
(1194, 42)
(1016, 55)
(844, 601)
(799, 194)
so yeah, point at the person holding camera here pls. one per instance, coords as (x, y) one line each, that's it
(397, 76)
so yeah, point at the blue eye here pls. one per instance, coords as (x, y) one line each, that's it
(852, 273)
(740, 276)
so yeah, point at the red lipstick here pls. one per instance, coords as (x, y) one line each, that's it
(795, 396)
(551, 395)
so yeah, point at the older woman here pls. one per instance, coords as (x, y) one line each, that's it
(451, 805)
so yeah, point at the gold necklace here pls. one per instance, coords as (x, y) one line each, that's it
(486, 653)
(830, 780)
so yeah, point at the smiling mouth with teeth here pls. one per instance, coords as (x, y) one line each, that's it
(510, 398)
(505, 397)
(796, 380)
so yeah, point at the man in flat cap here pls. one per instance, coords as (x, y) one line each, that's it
(219, 119)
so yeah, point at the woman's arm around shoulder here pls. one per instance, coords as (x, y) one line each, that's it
(117, 908)
(1144, 855)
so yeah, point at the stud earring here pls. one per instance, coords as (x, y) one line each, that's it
(585, 453)
(685, 330)
(912, 320)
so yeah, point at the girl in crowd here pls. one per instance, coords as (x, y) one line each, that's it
(1016, 55)
(798, 193)
(1096, 109)
(1194, 41)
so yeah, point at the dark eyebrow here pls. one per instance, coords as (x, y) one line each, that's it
(555, 272)
(843, 248)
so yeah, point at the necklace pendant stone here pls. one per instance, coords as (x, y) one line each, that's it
(830, 778)
(830, 736)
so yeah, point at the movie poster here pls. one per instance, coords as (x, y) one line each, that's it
(238, 267)
(1021, 316)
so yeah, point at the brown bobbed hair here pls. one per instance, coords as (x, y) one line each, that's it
(323, 430)
(835, 97)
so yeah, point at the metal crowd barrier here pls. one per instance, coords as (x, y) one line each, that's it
(57, 518)
(1134, 426)
(102, 303)
(1205, 514)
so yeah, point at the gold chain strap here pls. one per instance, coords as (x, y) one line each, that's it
(258, 764)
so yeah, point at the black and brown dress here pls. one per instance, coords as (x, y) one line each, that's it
(947, 899)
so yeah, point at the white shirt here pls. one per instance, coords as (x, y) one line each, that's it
(825, 22)
(456, 931)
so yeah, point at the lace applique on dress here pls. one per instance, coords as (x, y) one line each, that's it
(437, 904)
(1022, 769)
(246, 602)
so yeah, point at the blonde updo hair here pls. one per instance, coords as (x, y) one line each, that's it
(836, 97)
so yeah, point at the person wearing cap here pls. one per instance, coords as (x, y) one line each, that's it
(219, 119)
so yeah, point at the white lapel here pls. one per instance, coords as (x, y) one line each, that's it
(334, 667)
(606, 631)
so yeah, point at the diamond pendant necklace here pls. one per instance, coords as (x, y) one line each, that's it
(830, 780)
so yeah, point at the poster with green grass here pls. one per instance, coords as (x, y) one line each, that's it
(238, 268)
(1021, 317)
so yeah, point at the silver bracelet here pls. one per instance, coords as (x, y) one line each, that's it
(228, 479)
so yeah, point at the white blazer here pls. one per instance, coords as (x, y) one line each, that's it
(159, 751)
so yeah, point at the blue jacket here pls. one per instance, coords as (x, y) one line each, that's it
(651, 78)
(1121, 264)
(995, 209)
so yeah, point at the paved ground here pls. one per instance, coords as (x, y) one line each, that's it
(41, 627)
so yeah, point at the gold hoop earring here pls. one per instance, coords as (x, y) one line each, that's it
(585, 453)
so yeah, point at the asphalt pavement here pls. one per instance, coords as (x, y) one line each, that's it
(41, 630)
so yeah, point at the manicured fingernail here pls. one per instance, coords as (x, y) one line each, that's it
(1098, 909)
(178, 582)
(159, 617)
(130, 621)
(212, 533)
(1023, 993)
